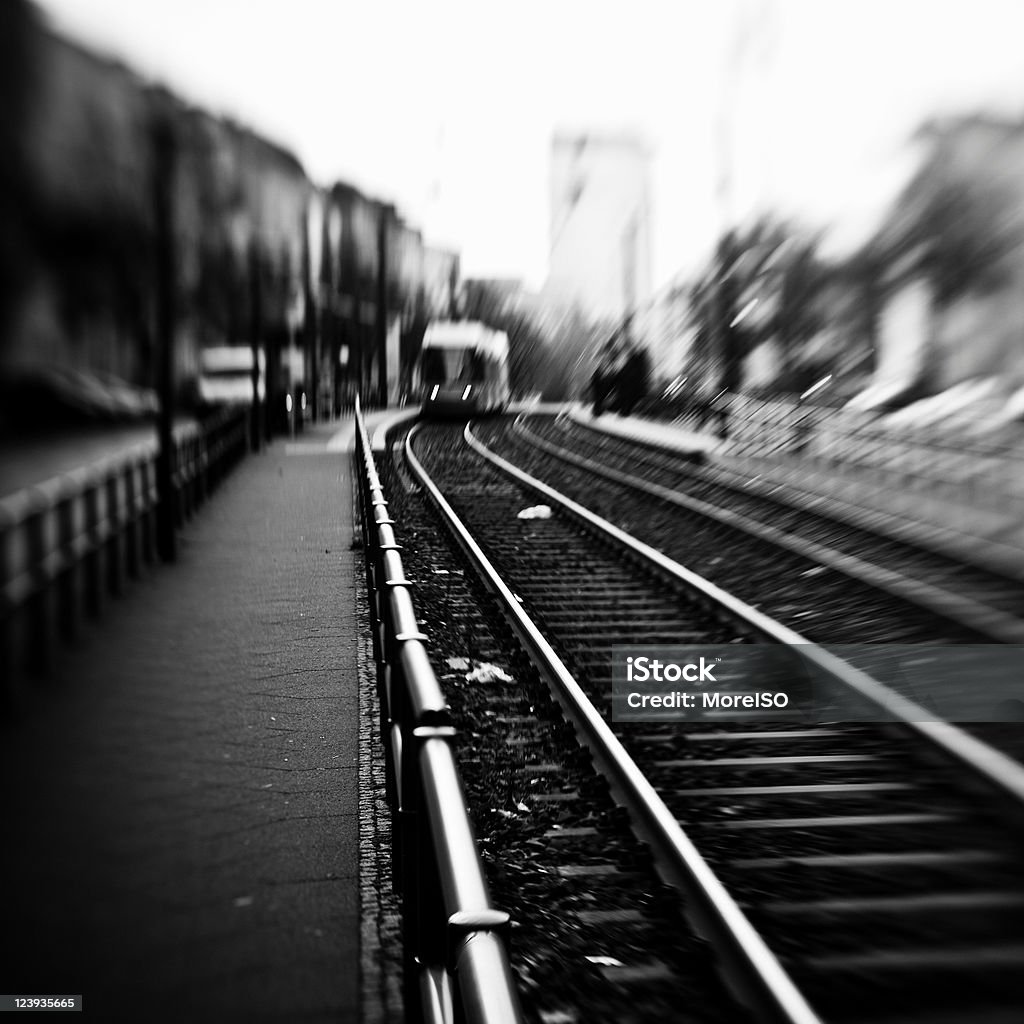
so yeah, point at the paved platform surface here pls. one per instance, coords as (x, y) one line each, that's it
(943, 515)
(180, 802)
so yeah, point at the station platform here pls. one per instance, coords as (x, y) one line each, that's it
(182, 795)
(192, 803)
(940, 512)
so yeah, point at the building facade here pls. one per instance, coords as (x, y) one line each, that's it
(953, 251)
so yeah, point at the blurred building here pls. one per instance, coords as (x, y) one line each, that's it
(107, 178)
(952, 249)
(378, 286)
(600, 260)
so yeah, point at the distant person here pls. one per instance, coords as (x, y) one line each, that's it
(598, 392)
(602, 381)
(633, 379)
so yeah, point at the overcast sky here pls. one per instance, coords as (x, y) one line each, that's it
(447, 106)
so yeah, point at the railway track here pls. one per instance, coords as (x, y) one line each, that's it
(888, 590)
(978, 595)
(597, 934)
(843, 872)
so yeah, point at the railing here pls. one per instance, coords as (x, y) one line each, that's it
(68, 543)
(456, 965)
(203, 458)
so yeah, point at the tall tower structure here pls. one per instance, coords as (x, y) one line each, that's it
(600, 223)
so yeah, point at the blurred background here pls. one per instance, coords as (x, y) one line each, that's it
(794, 227)
(780, 204)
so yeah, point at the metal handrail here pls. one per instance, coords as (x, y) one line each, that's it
(455, 956)
(68, 541)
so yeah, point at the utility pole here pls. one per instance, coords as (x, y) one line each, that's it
(730, 349)
(164, 154)
(380, 341)
(311, 326)
(255, 332)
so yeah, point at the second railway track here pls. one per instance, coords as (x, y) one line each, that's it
(864, 855)
(981, 604)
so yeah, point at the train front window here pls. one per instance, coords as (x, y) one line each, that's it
(442, 365)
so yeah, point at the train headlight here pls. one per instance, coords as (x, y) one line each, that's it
(433, 394)
(303, 401)
(288, 403)
(465, 394)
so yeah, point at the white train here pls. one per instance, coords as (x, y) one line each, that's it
(463, 369)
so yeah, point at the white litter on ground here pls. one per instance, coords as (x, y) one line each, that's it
(535, 512)
(488, 673)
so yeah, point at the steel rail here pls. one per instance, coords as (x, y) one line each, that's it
(995, 624)
(751, 965)
(990, 765)
(456, 962)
